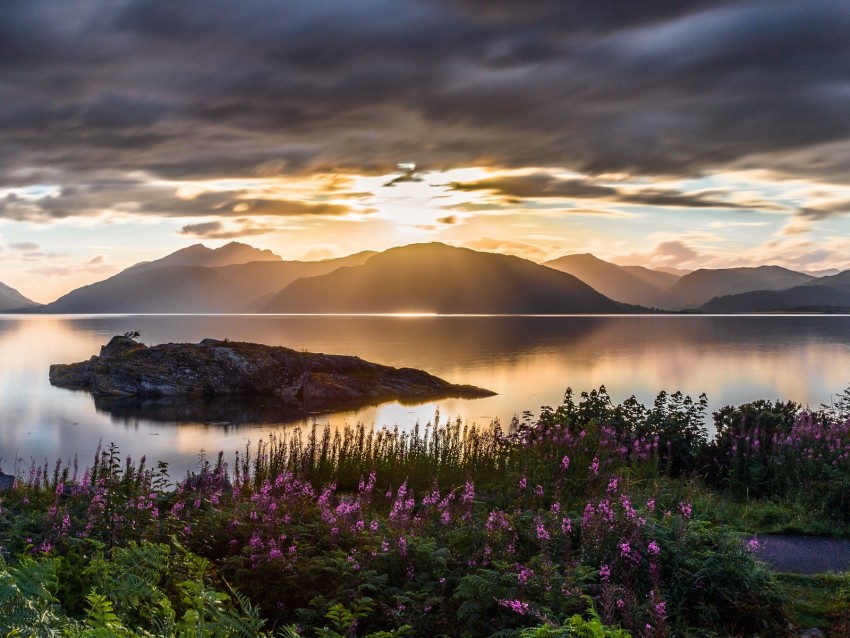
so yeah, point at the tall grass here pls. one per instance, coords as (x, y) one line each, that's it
(451, 529)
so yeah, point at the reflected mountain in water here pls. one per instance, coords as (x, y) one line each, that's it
(212, 411)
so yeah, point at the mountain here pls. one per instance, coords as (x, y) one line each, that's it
(822, 273)
(822, 294)
(703, 285)
(11, 299)
(677, 272)
(611, 280)
(661, 279)
(443, 279)
(200, 255)
(157, 287)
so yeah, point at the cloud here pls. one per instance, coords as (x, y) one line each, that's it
(96, 265)
(671, 253)
(218, 230)
(658, 88)
(320, 252)
(544, 185)
(816, 212)
(448, 220)
(526, 251)
(728, 224)
(25, 246)
(108, 194)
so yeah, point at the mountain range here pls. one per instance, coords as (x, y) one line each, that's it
(629, 284)
(196, 280)
(434, 278)
(822, 294)
(11, 299)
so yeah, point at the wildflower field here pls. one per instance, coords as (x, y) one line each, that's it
(593, 519)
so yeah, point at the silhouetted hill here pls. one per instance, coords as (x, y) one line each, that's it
(701, 286)
(200, 255)
(443, 279)
(192, 289)
(611, 280)
(678, 272)
(821, 294)
(659, 278)
(11, 299)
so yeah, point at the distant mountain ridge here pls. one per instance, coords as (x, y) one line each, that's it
(828, 293)
(238, 278)
(160, 287)
(436, 278)
(633, 285)
(701, 286)
(200, 255)
(11, 299)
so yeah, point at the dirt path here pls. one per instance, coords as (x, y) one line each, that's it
(804, 554)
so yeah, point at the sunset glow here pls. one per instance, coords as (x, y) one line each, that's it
(321, 129)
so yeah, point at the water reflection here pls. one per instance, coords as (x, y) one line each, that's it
(218, 411)
(528, 361)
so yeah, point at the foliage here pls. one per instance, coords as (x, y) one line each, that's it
(776, 450)
(594, 520)
(576, 627)
(141, 590)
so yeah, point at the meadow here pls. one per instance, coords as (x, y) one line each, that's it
(591, 519)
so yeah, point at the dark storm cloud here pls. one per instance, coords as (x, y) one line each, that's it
(233, 204)
(826, 210)
(135, 196)
(543, 185)
(217, 230)
(210, 88)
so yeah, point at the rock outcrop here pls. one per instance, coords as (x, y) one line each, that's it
(215, 368)
(7, 481)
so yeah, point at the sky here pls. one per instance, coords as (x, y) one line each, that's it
(699, 134)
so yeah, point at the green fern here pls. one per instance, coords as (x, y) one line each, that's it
(28, 602)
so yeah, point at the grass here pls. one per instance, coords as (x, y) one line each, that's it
(768, 516)
(624, 516)
(820, 601)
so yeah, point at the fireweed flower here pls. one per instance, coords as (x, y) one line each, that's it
(659, 607)
(542, 533)
(524, 574)
(565, 463)
(517, 606)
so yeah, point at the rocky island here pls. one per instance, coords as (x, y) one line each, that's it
(214, 369)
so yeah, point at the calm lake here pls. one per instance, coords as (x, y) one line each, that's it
(528, 361)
